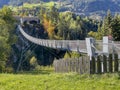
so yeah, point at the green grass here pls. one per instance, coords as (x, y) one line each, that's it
(57, 81)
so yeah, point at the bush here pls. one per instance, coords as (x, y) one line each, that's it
(9, 70)
(2, 66)
(33, 62)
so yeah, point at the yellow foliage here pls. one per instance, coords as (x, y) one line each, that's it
(48, 26)
(33, 61)
(45, 24)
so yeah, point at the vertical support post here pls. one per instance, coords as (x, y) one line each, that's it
(105, 51)
(105, 45)
(21, 20)
(90, 50)
(78, 43)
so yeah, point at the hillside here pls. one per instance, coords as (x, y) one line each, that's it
(81, 7)
(3, 2)
(89, 7)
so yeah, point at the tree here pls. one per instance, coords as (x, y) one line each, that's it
(63, 29)
(107, 26)
(53, 15)
(6, 14)
(42, 12)
(97, 35)
(6, 35)
(105, 29)
(48, 26)
(116, 27)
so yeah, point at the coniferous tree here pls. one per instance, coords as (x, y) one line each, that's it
(116, 27)
(107, 26)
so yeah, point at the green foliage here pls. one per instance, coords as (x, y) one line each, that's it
(67, 55)
(33, 62)
(6, 35)
(75, 55)
(116, 27)
(72, 55)
(105, 29)
(2, 66)
(65, 25)
(109, 26)
(44, 68)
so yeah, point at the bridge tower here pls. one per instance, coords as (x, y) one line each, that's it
(21, 20)
(105, 45)
(108, 45)
(90, 43)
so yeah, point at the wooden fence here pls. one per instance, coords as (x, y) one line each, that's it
(82, 65)
(104, 64)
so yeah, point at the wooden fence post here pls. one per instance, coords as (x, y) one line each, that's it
(104, 63)
(92, 66)
(116, 66)
(99, 70)
(80, 65)
(110, 63)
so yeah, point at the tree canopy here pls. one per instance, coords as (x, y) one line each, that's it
(6, 34)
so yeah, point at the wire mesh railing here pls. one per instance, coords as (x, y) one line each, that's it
(73, 45)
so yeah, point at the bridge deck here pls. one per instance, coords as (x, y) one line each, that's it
(73, 45)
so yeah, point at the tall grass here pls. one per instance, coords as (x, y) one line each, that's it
(59, 81)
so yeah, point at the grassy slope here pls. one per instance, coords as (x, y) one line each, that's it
(53, 81)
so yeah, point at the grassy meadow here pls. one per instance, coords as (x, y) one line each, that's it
(48, 80)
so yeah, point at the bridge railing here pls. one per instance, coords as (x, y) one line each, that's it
(111, 45)
(73, 45)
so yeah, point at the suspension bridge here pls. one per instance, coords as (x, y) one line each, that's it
(88, 46)
(72, 45)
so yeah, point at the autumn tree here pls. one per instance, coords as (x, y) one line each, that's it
(49, 27)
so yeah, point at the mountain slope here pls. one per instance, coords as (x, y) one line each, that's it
(3, 2)
(88, 7)
(102, 5)
(85, 7)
